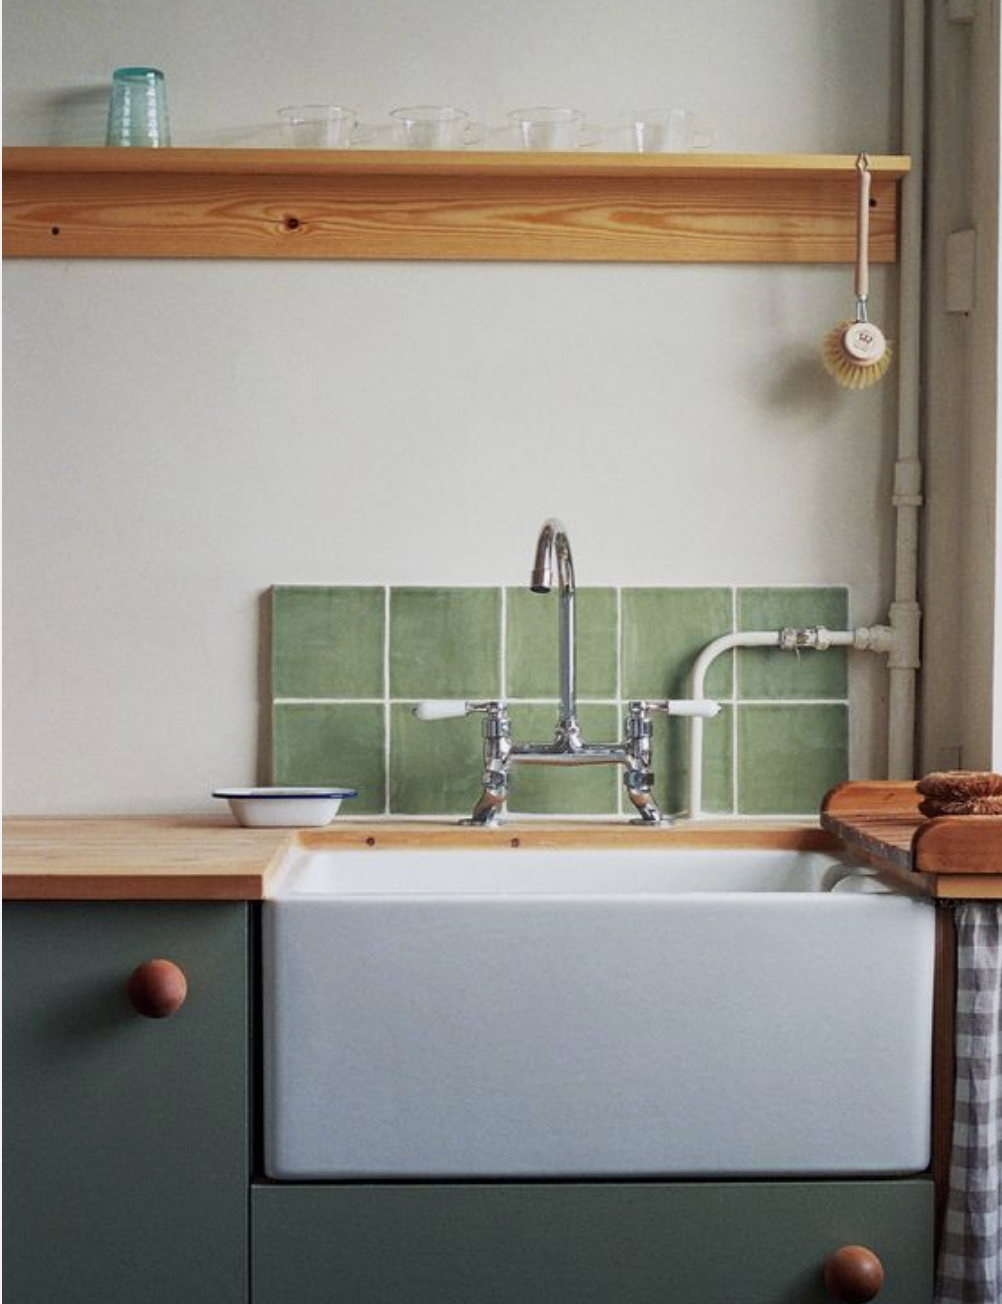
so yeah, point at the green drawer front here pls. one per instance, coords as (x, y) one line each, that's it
(588, 1243)
(125, 1139)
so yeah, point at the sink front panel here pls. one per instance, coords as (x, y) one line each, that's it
(593, 1018)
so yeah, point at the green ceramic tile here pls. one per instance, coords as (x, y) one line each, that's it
(663, 632)
(565, 790)
(445, 642)
(338, 743)
(435, 765)
(671, 753)
(768, 672)
(534, 643)
(327, 642)
(789, 756)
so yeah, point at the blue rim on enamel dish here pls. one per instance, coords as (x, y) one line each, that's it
(286, 793)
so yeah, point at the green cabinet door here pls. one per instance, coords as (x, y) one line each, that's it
(126, 1138)
(584, 1243)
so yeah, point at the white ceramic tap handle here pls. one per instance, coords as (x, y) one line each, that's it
(441, 709)
(702, 706)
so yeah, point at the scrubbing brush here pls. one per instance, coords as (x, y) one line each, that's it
(856, 352)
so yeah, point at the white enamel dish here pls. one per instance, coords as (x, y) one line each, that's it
(264, 808)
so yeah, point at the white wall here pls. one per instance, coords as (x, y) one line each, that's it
(182, 435)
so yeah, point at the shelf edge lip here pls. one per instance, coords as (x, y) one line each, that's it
(55, 159)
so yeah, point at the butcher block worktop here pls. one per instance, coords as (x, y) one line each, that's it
(190, 858)
(164, 858)
(210, 858)
(958, 856)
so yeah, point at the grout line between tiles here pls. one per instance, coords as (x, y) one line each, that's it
(504, 644)
(735, 759)
(387, 722)
(553, 701)
(620, 798)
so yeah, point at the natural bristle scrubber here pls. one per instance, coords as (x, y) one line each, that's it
(856, 352)
(961, 792)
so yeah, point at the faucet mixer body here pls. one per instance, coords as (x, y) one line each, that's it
(633, 753)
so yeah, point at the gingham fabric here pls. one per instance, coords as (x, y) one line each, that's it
(970, 1256)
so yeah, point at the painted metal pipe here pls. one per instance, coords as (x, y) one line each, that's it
(865, 638)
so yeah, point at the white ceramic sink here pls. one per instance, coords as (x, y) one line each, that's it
(514, 1012)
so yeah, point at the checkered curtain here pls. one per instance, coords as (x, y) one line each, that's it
(970, 1256)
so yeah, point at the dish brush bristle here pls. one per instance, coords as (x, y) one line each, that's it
(854, 366)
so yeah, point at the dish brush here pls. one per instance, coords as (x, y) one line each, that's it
(856, 352)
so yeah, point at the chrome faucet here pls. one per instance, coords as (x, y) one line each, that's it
(553, 547)
(554, 556)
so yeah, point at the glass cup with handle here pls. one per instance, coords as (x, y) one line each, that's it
(435, 126)
(669, 131)
(319, 126)
(546, 128)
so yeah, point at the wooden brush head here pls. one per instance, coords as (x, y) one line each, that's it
(856, 354)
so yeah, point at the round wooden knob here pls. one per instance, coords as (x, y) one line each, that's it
(157, 989)
(853, 1274)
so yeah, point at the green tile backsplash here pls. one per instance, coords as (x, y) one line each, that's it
(327, 642)
(445, 643)
(435, 766)
(348, 664)
(768, 672)
(663, 632)
(789, 754)
(337, 743)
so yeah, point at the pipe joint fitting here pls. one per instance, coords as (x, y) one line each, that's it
(907, 490)
(792, 640)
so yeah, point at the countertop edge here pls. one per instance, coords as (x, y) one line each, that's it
(209, 858)
(192, 858)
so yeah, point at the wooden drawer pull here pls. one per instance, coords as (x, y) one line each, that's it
(157, 989)
(853, 1274)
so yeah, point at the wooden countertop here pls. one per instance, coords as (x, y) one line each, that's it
(193, 858)
(190, 858)
(155, 858)
(959, 857)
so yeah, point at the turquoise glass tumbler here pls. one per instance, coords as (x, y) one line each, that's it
(137, 114)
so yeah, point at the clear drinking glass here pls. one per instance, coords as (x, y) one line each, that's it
(319, 126)
(137, 114)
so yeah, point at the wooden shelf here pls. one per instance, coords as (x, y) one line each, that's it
(385, 204)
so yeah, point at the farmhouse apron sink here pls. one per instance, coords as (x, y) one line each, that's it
(500, 1012)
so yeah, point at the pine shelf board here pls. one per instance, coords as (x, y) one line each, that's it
(492, 205)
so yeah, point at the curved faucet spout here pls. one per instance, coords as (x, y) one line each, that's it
(553, 548)
(553, 553)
